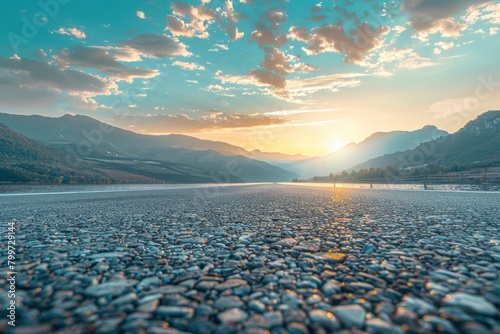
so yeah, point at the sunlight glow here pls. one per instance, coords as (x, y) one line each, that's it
(337, 145)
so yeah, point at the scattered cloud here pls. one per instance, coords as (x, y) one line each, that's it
(440, 46)
(188, 66)
(222, 46)
(72, 32)
(104, 62)
(156, 46)
(27, 84)
(293, 88)
(431, 17)
(276, 61)
(398, 29)
(298, 33)
(354, 44)
(402, 58)
(190, 21)
(178, 28)
(450, 107)
(264, 35)
(159, 124)
(140, 15)
(301, 87)
(229, 19)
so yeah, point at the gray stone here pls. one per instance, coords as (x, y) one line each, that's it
(175, 311)
(325, 319)
(232, 316)
(350, 315)
(379, 326)
(470, 303)
(230, 283)
(227, 302)
(256, 306)
(113, 288)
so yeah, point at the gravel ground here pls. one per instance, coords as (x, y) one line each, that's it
(254, 259)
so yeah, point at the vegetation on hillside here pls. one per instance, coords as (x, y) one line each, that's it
(487, 171)
(25, 160)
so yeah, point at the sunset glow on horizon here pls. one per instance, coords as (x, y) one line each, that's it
(278, 76)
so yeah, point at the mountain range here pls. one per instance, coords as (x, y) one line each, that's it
(477, 142)
(25, 160)
(186, 159)
(104, 153)
(378, 144)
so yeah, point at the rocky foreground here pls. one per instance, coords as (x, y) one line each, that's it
(255, 259)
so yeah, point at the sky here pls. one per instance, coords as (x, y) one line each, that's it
(289, 76)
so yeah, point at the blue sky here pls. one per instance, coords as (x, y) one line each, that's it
(290, 76)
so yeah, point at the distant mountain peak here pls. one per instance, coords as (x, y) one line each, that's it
(477, 142)
(485, 122)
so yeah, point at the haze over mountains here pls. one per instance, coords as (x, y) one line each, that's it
(192, 160)
(103, 153)
(24, 160)
(378, 144)
(477, 142)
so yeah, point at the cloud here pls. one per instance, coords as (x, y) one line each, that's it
(104, 62)
(178, 28)
(293, 88)
(318, 8)
(219, 90)
(354, 44)
(494, 30)
(402, 58)
(274, 17)
(237, 79)
(264, 35)
(72, 32)
(140, 15)
(440, 46)
(196, 20)
(398, 29)
(298, 34)
(188, 66)
(491, 13)
(222, 46)
(269, 78)
(31, 73)
(319, 18)
(275, 67)
(276, 61)
(231, 18)
(158, 124)
(449, 107)
(157, 46)
(199, 19)
(27, 85)
(299, 86)
(122, 53)
(430, 16)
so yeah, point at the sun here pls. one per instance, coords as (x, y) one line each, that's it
(337, 145)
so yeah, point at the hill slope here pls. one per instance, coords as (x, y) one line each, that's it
(478, 141)
(376, 145)
(88, 138)
(25, 160)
